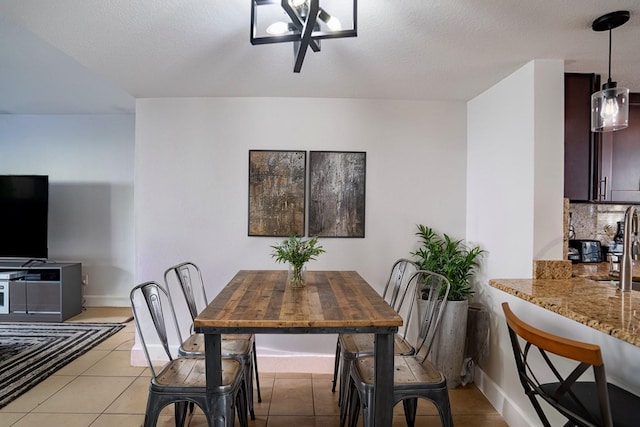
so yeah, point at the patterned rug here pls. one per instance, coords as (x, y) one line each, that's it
(29, 353)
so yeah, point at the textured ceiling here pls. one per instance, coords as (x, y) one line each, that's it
(83, 56)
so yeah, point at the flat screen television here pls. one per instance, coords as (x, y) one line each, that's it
(24, 214)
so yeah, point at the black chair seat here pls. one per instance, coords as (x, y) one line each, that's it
(623, 404)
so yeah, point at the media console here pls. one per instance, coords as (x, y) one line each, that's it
(45, 292)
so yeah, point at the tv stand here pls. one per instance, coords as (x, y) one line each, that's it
(48, 292)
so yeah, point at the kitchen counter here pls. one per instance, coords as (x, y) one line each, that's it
(595, 304)
(599, 271)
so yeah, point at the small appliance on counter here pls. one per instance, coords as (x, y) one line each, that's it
(587, 250)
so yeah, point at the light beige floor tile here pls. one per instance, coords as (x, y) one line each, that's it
(8, 419)
(41, 392)
(266, 390)
(324, 401)
(469, 400)
(86, 395)
(82, 363)
(56, 420)
(303, 421)
(116, 363)
(133, 400)
(199, 420)
(425, 407)
(294, 375)
(119, 420)
(114, 341)
(291, 397)
(486, 420)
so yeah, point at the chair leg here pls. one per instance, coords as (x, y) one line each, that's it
(241, 405)
(354, 406)
(410, 406)
(345, 368)
(255, 367)
(336, 366)
(344, 406)
(180, 412)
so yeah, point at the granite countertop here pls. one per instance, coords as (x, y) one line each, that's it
(596, 304)
(599, 271)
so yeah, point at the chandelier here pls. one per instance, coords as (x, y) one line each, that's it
(303, 22)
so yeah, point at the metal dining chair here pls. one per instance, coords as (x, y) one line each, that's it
(241, 346)
(350, 346)
(584, 403)
(414, 376)
(182, 380)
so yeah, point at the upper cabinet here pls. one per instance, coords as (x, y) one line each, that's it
(580, 144)
(620, 159)
(602, 167)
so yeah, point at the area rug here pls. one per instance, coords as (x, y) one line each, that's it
(30, 352)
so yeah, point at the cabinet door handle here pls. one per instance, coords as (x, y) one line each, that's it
(603, 194)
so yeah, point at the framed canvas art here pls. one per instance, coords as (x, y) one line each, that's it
(277, 193)
(337, 193)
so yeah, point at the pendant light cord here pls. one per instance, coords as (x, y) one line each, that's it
(609, 78)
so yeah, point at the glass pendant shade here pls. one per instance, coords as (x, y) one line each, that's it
(610, 109)
(610, 106)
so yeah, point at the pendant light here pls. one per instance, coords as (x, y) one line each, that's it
(610, 106)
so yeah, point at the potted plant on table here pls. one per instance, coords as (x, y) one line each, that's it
(457, 262)
(297, 252)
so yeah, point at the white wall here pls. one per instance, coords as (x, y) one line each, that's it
(89, 160)
(514, 202)
(191, 174)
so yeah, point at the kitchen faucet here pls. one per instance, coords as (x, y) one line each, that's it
(629, 249)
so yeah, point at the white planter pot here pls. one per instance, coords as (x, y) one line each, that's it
(447, 353)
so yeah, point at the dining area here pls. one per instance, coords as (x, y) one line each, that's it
(338, 302)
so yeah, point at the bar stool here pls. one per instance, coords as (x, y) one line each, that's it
(583, 403)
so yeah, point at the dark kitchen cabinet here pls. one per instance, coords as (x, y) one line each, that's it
(620, 159)
(581, 146)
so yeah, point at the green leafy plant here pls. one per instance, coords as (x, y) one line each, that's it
(450, 258)
(297, 252)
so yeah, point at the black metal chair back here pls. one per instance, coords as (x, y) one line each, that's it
(414, 375)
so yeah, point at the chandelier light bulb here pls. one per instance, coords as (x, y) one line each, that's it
(334, 24)
(278, 28)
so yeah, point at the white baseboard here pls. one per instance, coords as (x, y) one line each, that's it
(105, 301)
(512, 413)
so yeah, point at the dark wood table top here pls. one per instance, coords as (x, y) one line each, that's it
(261, 300)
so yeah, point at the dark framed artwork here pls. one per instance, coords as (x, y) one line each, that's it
(277, 192)
(337, 193)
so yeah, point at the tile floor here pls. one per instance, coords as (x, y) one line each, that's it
(101, 389)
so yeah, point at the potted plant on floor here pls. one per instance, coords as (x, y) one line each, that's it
(297, 252)
(457, 262)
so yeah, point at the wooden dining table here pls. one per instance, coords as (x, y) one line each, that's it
(332, 302)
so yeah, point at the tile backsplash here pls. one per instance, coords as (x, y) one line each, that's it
(595, 221)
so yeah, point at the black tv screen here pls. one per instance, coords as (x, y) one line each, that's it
(24, 212)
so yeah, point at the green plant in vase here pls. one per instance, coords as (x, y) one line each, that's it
(450, 258)
(297, 252)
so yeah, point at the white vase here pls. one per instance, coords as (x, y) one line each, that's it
(447, 353)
